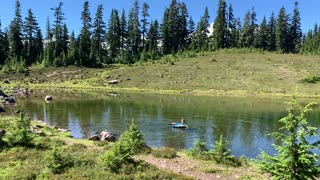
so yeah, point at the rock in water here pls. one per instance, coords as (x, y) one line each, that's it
(48, 98)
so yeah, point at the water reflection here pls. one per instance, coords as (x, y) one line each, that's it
(245, 122)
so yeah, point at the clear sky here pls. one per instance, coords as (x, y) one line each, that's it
(309, 9)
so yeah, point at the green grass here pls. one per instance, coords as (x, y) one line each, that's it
(227, 72)
(37, 161)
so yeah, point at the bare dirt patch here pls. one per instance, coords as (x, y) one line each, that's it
(196, 168)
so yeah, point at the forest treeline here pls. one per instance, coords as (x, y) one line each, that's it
(131, 37)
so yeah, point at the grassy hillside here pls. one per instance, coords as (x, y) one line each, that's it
(216, 73)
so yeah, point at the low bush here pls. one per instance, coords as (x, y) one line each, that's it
(131, 142)
(221, 154)
(58, 161)
(164, 152)
(311, 79)
(19, 134)
(199, 150)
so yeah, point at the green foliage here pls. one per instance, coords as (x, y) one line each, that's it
(294, 158)
(221, 154)
(311, 79)
(58, 161)
(19, 134)
(164, 152)
(198, 150)
(131, 142)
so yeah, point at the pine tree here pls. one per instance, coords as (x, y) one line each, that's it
(295, 30)
(253, 27)
(220, 27)
(30, 30)
(191, 33)
(246, 36)
(113, 35)
(201, 41)
(85, 34)
(15, 35)
(73, 53)
(165, 33)
(58, 35)
(182, 22)
(134, 34)
(295, 158)
(231, 28)
(282, 30)
(49, 45)
(123, 32)
(99, 31)
(4, 46)
(153, 36)
(144, 22)
(271, 33)
(38, 46)
(261, 38)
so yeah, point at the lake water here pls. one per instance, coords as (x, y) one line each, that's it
(244, 121)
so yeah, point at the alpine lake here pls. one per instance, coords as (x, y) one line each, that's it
(245, 122)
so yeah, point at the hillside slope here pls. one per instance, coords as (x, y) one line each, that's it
(217, 73)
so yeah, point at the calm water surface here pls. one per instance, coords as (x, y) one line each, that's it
(244, 121)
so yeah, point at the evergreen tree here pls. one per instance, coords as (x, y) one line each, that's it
(220, 27)
(58, 35)
(4, 46)
(295, 30)
(271, 33)
(123, 31)
(262, 36)
(253, 27)
(99, 31)
(15, 35)
(73, 53)
(295, 158)
(38, 46)
(153, 36)
(113, 35)
(249, 28)
(31, 30)
(134, 34)
(65, 42)
(191, 32)
(182, 26)
(201, 41)
(282, 30)
(144, 22)
(246, 36)
(165, 33)
(49, 45)
(85, 34)
(231, 28)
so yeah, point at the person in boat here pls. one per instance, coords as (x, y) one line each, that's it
(183, 122)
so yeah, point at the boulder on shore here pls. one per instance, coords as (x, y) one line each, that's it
(113, 82)
(107, 136)
(48, 98)
(103, 136)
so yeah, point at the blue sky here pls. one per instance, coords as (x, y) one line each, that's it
(309, 10)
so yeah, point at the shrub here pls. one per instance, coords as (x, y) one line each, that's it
(198, 150)
(131, 142)
(294, 158)
(164, 152)
(311, 79)
(58, 162)
(221, 154)
(19, 133)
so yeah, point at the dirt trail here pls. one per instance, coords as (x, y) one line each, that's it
(193, 168)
